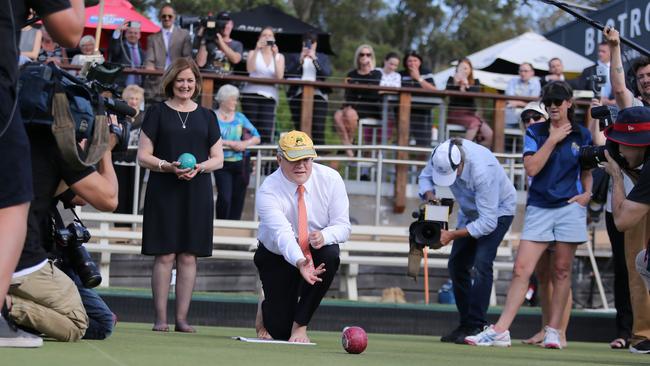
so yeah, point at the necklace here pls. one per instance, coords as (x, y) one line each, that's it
(226, 116)
(183, 122)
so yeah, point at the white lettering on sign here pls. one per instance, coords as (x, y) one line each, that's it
(647, 18)
(635, 19)
(621, 21)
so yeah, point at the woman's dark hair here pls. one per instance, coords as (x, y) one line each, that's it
(556, 90)
(169, 77)
(390, 55)
(310, 36)
(412, 53)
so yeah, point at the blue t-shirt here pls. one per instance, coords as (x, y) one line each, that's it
(555, 184)
(233, 131)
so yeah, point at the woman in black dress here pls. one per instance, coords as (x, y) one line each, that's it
(178, 209)
(358, 103)
(415, 75)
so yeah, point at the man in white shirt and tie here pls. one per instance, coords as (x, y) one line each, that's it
(304, 216)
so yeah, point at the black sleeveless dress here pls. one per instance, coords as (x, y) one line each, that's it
(178, 214)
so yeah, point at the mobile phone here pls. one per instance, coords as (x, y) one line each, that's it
(308, 43)
(133, 24)
(270, 43)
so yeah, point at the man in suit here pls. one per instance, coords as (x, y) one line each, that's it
(165, 47)
(584, 80)
(124, 49)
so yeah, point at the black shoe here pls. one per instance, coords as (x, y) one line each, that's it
(641, 347)
(466, 333)
(454, 335)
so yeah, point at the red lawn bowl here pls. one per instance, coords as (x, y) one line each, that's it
(354, 340)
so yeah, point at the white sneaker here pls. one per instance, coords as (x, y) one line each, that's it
(551, 338)
(490, 338)
(13, 337)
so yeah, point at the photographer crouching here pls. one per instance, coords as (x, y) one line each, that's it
(42, 297)
(629, 139)
(487, 200)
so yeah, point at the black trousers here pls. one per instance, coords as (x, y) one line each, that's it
(621, 286)
(318, 120)
(261, 112)
(126, 180)
(287, 297)
(231, 181)
(421, 126)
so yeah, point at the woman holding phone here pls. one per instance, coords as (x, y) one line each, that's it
(462, 110)
(260, 100)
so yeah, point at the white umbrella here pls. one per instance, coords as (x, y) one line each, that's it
(497, 64)
(528, 47)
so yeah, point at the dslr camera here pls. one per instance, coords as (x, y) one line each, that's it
(597, 80)
(69, 242)
(431, 218)
(591, 156)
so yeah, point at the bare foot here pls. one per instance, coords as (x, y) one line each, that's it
(184, 327)
(160, 327)
(299, 334)
(536, 339)
(262, 333)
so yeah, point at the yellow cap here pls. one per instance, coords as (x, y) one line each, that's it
(296, 145)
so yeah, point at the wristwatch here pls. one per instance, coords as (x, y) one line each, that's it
(421, 79)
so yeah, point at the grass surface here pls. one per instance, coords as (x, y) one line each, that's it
(135, 344)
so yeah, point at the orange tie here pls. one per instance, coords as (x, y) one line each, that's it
(303, 227)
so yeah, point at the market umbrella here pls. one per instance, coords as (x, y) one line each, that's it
(288, 29)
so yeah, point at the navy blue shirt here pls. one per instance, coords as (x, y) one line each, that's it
(555, 184)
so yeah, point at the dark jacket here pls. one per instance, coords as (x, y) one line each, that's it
(293, 69)
(119, 53)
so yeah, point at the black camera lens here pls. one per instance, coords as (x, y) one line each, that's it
(591, 156)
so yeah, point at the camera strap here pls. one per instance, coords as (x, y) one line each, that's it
(63, 130)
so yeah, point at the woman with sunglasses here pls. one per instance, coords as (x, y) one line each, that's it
(462, 110)
(415, 75)
(358, 103)
(534, 112)
(555, 214)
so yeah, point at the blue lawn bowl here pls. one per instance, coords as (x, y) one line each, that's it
(187, 160)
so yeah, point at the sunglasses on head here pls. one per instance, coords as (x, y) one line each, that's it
(527, 116)
(553, 101)
(167, 16)
(365, 54)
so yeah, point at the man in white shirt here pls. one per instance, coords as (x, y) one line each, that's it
(526, 85)
(304, 216)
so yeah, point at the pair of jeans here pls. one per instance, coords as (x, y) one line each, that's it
(473, 294)
(260, 111)
(100, 317)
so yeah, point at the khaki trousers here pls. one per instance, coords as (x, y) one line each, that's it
(48, 301)
(635, 240)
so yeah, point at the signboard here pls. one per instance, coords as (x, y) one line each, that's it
(630, 17)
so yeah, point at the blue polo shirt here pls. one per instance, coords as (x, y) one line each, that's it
(555, 184)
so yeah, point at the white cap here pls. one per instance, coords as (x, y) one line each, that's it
(445, 164)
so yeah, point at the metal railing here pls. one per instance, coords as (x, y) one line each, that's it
(381, 156)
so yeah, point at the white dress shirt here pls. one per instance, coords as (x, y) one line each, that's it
(277, 206)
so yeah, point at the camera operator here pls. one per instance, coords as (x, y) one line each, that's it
(487, 201)
(42, 297)
(65, 22)
(124, 49)
(227, 52)
(631, 136)
(641, 68)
